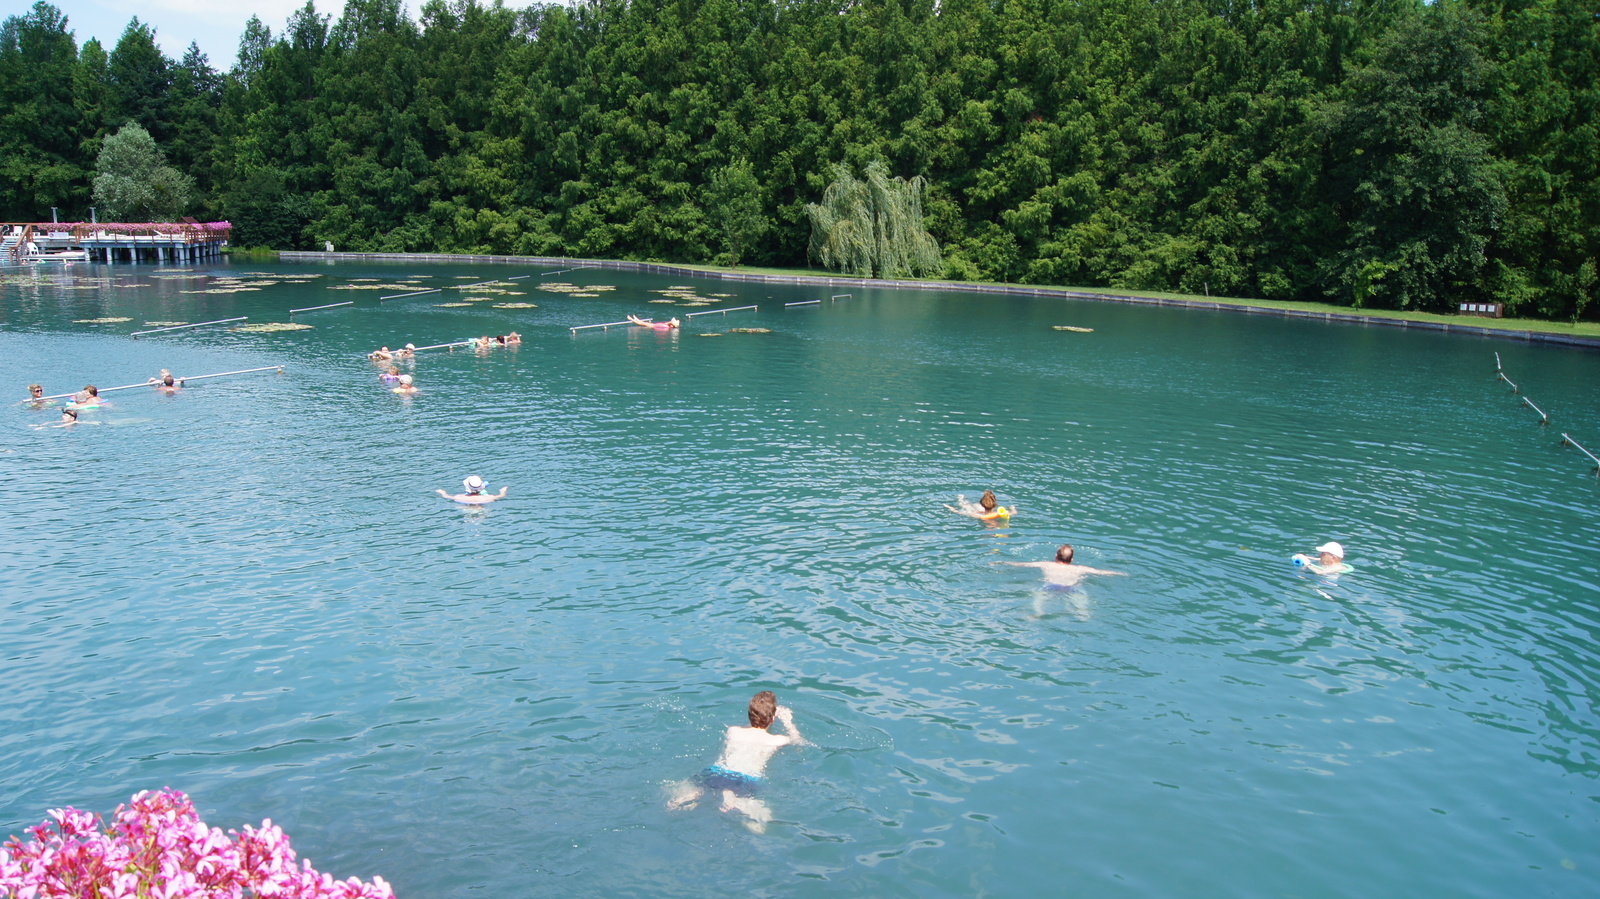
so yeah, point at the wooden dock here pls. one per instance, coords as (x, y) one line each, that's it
(186, 241)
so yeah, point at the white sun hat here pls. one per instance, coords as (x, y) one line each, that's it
(473, 483)
(1334, 549)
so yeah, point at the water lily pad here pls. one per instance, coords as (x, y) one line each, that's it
(100, 321)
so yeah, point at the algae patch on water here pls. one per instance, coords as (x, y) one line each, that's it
(269, 327)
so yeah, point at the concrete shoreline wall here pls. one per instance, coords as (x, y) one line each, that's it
(1000, 289)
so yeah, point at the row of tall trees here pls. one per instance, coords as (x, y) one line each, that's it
(1387, 153)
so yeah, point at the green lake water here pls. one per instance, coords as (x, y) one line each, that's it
(250, 592)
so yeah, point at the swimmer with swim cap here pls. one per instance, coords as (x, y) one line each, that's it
(1330, 560)
(406, 387)
(475, 495)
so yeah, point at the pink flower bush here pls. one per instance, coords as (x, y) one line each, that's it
(156, 847)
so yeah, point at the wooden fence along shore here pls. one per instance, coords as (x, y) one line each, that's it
(1001, 289)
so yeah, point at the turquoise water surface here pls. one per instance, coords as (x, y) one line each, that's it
(250, 592)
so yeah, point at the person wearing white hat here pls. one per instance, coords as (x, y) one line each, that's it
(1330, 560)
(475, 495)
(406, 387)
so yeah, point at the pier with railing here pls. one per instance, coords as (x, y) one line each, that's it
(185, 241)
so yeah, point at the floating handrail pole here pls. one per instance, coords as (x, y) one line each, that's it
(1514, 387)
(1542, 415)
(178, 380)
(1497, 366)
(414, 293)
(220, 321)
(329, 306)
(840, 296)
(1565, 439)
(516, 277)
(802, 303)
(604, 325)
(440, 346)
(242, 371)
(710, 311)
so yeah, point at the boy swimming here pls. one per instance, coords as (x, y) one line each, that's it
(741, 769)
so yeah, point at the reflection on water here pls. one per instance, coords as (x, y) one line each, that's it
(251, 591)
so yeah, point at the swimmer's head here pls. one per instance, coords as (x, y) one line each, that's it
(763, 708)
(474, 484)
(1332, 549)
(92, 390)
(411, 346)
(167, 381)
(69, 415)
(1064, 554)
(987, 501)
(394, 369)
(673, 321)
(405, 380)
(36, 389)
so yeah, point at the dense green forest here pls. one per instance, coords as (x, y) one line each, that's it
(1381, 153)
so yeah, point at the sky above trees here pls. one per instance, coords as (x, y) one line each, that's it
(216, 27)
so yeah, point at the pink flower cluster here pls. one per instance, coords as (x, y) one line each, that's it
(158, 848)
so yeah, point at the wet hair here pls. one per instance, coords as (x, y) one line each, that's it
(1064, 554)
(987, 501)
(92, 390)
(763, 708)
(167, 381)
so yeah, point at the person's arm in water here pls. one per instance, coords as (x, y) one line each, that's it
(1087, 570)
(999, 512)
(786, 715)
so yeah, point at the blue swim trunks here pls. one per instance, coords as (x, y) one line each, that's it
(716, 777)
(1062, 588)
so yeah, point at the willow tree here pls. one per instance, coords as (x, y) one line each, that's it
(872, 227)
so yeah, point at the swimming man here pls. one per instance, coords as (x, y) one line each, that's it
(742, 768)
(1061, 574)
